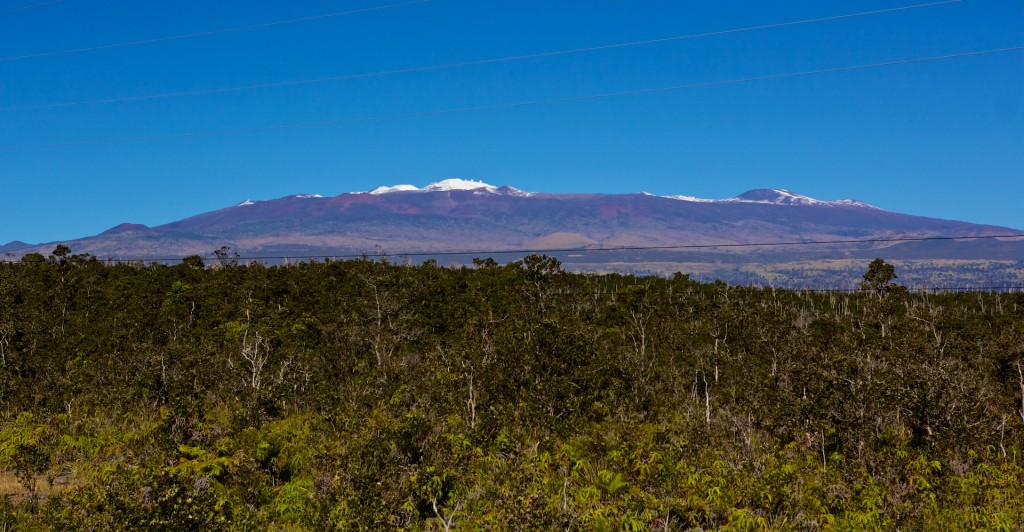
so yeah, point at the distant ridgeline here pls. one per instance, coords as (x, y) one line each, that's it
(738, 240)
(372, 395)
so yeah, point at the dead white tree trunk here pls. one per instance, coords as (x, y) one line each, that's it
(471, 400)
(255, 353)
(638, 332)
(388, 324)
(707, 401)
(446, 524)
(1020, 375)
(5, 344)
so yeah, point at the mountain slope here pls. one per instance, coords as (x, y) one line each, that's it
(459, 215)
(14, 246)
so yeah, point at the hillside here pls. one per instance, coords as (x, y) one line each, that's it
(457, 215)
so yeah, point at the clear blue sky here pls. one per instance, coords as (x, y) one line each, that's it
(942, 139)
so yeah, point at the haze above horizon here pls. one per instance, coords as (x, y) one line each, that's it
(939, 138)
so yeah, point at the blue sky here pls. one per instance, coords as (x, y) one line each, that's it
(942, 139)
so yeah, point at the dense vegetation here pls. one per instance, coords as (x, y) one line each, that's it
(369, 395)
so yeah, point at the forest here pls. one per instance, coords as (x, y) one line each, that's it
(373, 395)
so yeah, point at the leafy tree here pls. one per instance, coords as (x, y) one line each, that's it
(33, 258)
(879, 277)
(61, 252)
(193, 261)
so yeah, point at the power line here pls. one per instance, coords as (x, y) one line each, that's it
(913, 289)
(478, 62)
(212, 32)
(668, 247)
(521, 251)
(834, 290)
(918, 289)
(30, 6)
(512, 105)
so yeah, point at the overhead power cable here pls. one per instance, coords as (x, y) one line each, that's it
(511, 105)
(213, 32)
(659, 248)
(521, 251)
(954, 289)
(30, 6)
(445, 66)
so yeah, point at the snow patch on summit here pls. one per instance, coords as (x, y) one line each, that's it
(458, 184)
(449, 185)
(777, 196)
(691, 198)
(396, 188)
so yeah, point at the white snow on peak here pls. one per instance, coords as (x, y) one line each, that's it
(773, 196)
(691, 198)
(852, 203)
(458, 184)
(512, 191)
(777, 196)
(307, 196)
(680, 198)
(396, 188)
(245, 203)
(448, 185)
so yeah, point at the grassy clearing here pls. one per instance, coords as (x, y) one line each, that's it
(10, 487)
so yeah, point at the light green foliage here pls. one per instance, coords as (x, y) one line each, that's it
(290, 504)
(515, 397)
(197, 462)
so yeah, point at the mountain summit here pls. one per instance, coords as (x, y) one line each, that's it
(762, 195)
(778, 196)
(449, 185)
(660, 233)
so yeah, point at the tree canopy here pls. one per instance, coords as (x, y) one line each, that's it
(375, 395)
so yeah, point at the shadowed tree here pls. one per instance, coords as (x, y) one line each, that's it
(878, 279)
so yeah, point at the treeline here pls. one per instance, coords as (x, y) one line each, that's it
(369, 395)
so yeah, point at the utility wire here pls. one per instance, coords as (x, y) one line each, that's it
(520, 251)
(912, 289)
(664, 248)
(512, 105)
(428, 68)
(212, 32)
(765, 288)
(31, 6)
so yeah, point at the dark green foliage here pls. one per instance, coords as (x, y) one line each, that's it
(879, 277)
(193, 261)
(366, 395)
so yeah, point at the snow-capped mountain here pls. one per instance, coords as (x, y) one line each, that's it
(777, 196)
(457, 215)
(396, 188)
(449, 185)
